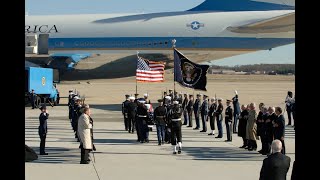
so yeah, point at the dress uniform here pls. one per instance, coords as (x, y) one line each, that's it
(190, 110)
(43, 129)
(168, 107)
(76, 114)
(125, 112)
(33, 98)
(184, 108)
(196, 109)
(142, 117)
(160, 119)
(228, 120)
(132, 108)
(175, 124)
(212, 111)
(236, 109)
(219, 118)
(147, 101)
(70, 104)
(204, 113)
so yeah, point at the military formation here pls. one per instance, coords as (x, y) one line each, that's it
(82, 125)
(266, 125)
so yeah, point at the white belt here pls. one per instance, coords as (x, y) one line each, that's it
(141, 116)
(176, 119)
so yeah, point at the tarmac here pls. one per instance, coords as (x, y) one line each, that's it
(119, 156)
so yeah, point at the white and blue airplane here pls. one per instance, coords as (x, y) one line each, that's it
(214, 25)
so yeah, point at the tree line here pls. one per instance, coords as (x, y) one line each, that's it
(276, 68)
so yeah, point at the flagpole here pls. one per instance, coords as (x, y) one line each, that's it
(136, 75)
(174, 73)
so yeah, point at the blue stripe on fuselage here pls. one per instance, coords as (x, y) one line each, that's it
(239, 5)
(165, 42)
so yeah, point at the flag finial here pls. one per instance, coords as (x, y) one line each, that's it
(174, 43)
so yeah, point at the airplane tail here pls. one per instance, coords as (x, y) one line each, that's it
(240, 5)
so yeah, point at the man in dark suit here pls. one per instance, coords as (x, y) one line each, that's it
(184, 107)
(196, 109)
(279, 128)
(236, 113)
(190, 109)
(276, 166)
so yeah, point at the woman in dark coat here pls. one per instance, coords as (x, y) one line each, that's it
(243, 125)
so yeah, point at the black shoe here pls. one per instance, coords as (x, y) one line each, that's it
(218, 137)
(242, 146)
(210, 134)
(43, 153)
(174, 153)
(84, 162)
(228, 140)
(138, 140)
(126, 129)
(162, 142)
(147, 140)
(260, 151)
(246, 147)
(141, 141)
(132, 132)
(250, 149)
(179, 151)
(195, 128)
(129, 131)
(203, 131)
(264, 153)
(189, 126)
(159, 144)
(184, 124)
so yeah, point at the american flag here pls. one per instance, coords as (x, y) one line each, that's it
(149, 71)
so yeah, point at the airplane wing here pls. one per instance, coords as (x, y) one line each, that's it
(279, 24)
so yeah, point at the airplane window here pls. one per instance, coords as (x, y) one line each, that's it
(150, 44)
(155, 43)
(160, 43)
(166, 42)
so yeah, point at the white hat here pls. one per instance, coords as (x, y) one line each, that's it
(142, 101)
(213, 98)
(175, 102)
(76, 98)
(168, 97)
(236, 92)
(131, 98)
(145, 95)
(71, 93)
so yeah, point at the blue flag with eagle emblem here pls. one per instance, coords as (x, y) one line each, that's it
(189, 74)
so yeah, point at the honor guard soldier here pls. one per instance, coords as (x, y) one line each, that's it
(76, 115)
(212, 111)
(70, 103)
(196, 109)
(160, 119)
(43, 129)
(146, 98)
(168, 106)
(219, 118)
(228, 120)
(136, 98)
(142, 117)
(190, 109)
(125, 111)
(33, 98)
(204, 113)
(236, 113)
(175, 123)
(171, 93)
(184, 108)
(131, 108)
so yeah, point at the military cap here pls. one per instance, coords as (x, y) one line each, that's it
(228, 100)
(199, 94)
(160, 100)
(205, 95)
(70, 90)
(220, 99)
(145, 95)
(168, 97)
(76, 98)
(213, 98)
(136, 94)
(132, 98)
(191, 95)
(175, 102)
(170, 90)
(141, 101)
(127, 95)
